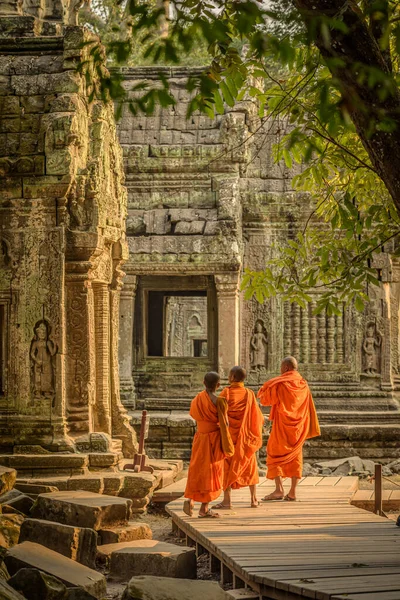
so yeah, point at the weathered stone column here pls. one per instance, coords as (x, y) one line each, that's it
(80, 363)
(121, 427)
(126, 319)
(102, 413)
(228, 321)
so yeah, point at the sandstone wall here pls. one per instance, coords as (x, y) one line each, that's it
(63, 210)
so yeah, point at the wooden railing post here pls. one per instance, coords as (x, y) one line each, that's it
(140, 459)
(378, 490)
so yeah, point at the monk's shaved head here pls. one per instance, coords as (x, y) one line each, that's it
(211, 380)
(289, 363)
(237, 374)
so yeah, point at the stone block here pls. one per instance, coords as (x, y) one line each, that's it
(71, 573)
(34, 489)
(87, 483)
(8, 593)
(212, 228)
(149, 557)
(36, 585)
(17, 26)
(189, 228)
(133, 531)
(112, 484)
(154, 588)
(33, 104)
(8, 496)
(10, 529)
(103, 460)
(137, 485)
(44, 83)
(22, 503)
(82, 509)
(45, 187)
(61, 483)
(77, 543)
(7, 479)
(94, 442)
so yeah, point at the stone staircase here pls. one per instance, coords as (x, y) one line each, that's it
(354, 421)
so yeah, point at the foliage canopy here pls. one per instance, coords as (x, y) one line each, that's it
(329, 68)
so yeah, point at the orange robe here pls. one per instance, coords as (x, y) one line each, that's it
(206, 468)
(294, 421)
(245, 427)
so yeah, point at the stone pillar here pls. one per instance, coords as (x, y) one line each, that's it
(80, 363)
(228, 321)
(126, 319)
(121, 427)
(102, 413)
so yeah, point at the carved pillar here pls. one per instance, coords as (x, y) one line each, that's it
(330, 340)
(386, 369)
(287, 330)
(321, 320)
(121, 427)
(102, 413)
(305, 347)
(339, 338)
(80, 362)
(313, 334)
(126, 318)
(228, 321)
(296, 330)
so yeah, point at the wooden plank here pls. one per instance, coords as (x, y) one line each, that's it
(368, 596)
(310, 481)
(363, 495)
(329, 481)
(323, 589)
(305, 548)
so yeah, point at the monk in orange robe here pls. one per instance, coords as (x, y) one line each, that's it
(206, 468)
(245, 427)
(294, 421)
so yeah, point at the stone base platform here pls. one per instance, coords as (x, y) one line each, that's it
(371, 434)
(72, 472)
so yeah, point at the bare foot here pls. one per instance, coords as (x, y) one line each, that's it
(273, 496)
(188, 507)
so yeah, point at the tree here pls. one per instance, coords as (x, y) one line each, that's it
(331, 69)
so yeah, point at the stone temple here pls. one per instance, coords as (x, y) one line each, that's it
(122, 247)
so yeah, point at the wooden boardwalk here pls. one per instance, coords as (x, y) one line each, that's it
(320, 547)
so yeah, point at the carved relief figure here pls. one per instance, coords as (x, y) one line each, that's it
(258, 347)
(371, 349)
(42, 352)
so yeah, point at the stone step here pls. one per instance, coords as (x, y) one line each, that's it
(42, 464)
(83, 509)
(71, 573)
(170, 493)
(148, 557)
(120, 483)
(346, 417)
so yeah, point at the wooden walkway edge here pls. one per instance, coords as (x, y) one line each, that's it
(321, 547)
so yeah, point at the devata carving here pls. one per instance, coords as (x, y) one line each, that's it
(259, 347)
(42, 353)
(372, 349)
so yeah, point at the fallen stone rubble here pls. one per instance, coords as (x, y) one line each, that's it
(353, 465)
(63, 544)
